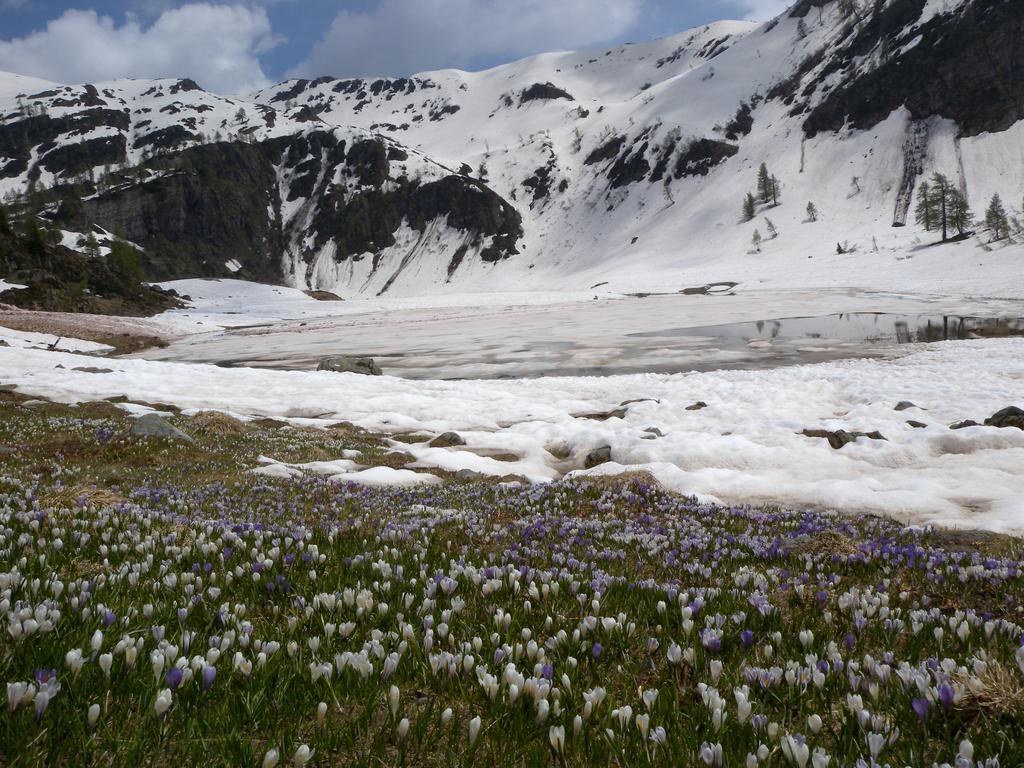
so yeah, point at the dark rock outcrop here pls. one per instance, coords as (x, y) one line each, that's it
(967, 66)
(702, 155)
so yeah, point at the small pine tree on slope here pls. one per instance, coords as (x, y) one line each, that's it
(996, 219)
(749, 207)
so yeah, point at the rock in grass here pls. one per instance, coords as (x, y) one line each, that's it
(447, 440)
(1012, 417)
(152, 425)
(598, 456)
(365, 366)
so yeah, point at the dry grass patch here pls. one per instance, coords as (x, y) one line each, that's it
(217, 423)
(70, 496)
(998, 691)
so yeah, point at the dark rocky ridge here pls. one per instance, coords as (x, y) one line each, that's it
(201, 206)
(967, 66)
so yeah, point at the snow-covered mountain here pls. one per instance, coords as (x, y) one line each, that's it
(626, 166)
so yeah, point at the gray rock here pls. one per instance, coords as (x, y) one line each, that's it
(698, 406)
(447, 440)
(618, 413)
(598, 456)
(1012, 417)
(560, 451)
(654, 432)
(841, 437)
(964, 424)
(152, 425)
(917, 424)
(341, 364)
(905, 405)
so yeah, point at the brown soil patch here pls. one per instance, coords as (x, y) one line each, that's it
(124, 334)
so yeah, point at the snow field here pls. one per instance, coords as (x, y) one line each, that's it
(745, 447)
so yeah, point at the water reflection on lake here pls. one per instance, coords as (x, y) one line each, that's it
(863, 327)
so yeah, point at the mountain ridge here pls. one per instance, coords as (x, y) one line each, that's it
(626, 165)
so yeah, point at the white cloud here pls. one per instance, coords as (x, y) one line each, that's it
(216, 45)
(404, 36)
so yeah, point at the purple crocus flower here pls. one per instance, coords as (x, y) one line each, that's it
(596, 650)
(547, 671)
(109, 618)
(920, 706)
(43, 675)
(850, 641)
(946, 694)
(209, 673)
(174, 676)
(747, 638)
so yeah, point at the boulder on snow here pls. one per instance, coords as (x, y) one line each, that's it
(152, 425)
(598, 456)
(1007, 418)
(905, 405)
(447, 440)
(964, 424)
(698, 406)
(618, 413)
(841, 437)
(342, 364)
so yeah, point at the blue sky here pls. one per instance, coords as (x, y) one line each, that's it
(234, 45)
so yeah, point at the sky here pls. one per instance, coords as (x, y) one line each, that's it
(235, 46)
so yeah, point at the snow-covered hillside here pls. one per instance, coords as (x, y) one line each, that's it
(624, 168)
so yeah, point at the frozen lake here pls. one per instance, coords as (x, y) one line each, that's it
(606, 336)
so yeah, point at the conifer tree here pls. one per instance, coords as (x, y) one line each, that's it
(995, 218)
(92, 246)
(749, 207)
(812, 212)
(770, 226)
(764, 184)
(937, 204)
(924, 213)
(756, 240)
(960, 215)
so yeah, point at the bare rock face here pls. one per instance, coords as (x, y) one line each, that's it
(341, 364)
